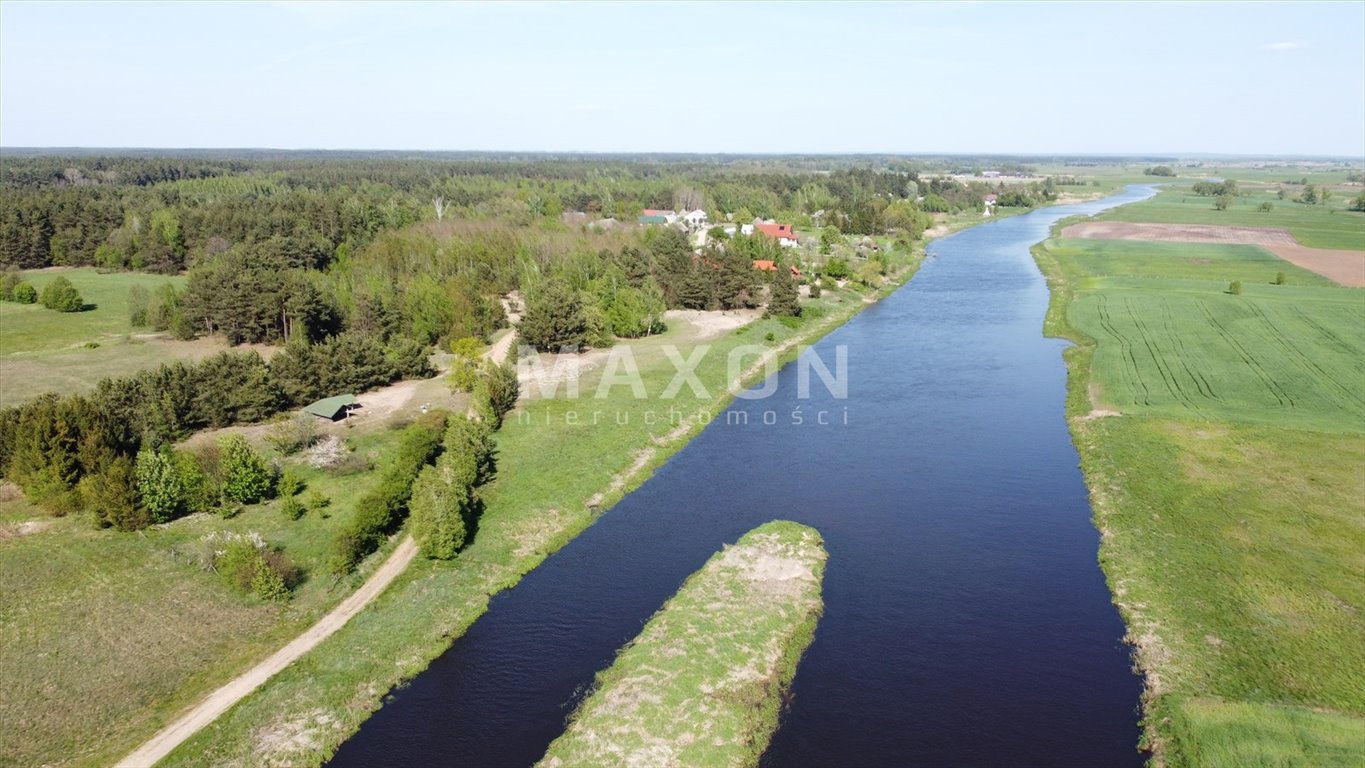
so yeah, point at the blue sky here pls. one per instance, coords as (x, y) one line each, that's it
(961, 78)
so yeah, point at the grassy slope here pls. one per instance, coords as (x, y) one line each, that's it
(533, 508)
(1234, 528)
(1318, 226)
(702, 682)
(130, 627)
(44, 351)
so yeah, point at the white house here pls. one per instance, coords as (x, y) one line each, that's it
(695, 220)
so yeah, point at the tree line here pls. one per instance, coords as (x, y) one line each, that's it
(75, 452)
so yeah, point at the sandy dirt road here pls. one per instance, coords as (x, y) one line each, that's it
(1344, 267)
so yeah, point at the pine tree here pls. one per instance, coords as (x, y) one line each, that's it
(554, 318)
(695, 291)
(783, 300)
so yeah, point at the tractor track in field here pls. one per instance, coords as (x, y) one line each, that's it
(1281, 396)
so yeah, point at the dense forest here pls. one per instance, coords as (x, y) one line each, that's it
(359, 263)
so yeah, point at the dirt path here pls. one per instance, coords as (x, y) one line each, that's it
(235, 690)
(386, 399)
(498, 352)
(1344, 267)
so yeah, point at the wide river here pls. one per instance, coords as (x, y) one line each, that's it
(966, 619)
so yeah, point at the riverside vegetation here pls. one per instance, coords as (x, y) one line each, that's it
(702, 683)
(1222, 437)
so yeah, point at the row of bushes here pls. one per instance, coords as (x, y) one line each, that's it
(59, 294)
(433, 476)
(380, 512)
(446, 503)
(162, 484)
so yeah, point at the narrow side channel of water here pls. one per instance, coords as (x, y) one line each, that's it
(967, 622)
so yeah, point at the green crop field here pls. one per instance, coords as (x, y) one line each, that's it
(1172, 341)
(1228, 487)
(1327, 225)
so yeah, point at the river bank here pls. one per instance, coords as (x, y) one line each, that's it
(702, 684)
(534, 508)
(1223, 468)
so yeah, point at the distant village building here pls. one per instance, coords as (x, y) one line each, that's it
(657, 216)
(768, 265)
(695, 220)
(782, 233)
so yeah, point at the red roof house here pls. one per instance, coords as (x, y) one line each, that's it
(780, 232)
(768, 265)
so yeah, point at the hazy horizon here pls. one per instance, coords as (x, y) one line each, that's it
(1177, 80)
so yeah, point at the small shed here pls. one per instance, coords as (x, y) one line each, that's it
(332, 408)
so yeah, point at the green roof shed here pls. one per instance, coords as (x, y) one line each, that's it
(331, 408)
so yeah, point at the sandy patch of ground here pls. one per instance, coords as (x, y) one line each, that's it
(770, 565)
(283, 742)
(1344, 267)
(26, 528)
(709, 324)
(552, 371)
(512, 305)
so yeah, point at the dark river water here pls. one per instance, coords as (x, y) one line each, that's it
(966, 619)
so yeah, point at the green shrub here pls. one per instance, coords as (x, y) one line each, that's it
(837, 269)
(1235, 287)
(316, 500)
(61, 295)
(9, 280)
(293, 434)
(159, 484)
(445, 501)
(291, 508)
(1280, 278)
(246, 477)
(249, 565)
(25, 294)
(199, 479)
(289, 485)
(496, 393)
(111, 496)
(138, 301)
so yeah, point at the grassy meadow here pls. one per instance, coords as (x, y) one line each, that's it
(702, 683)
(1222, 437)
(113, 634)
(46, 351)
